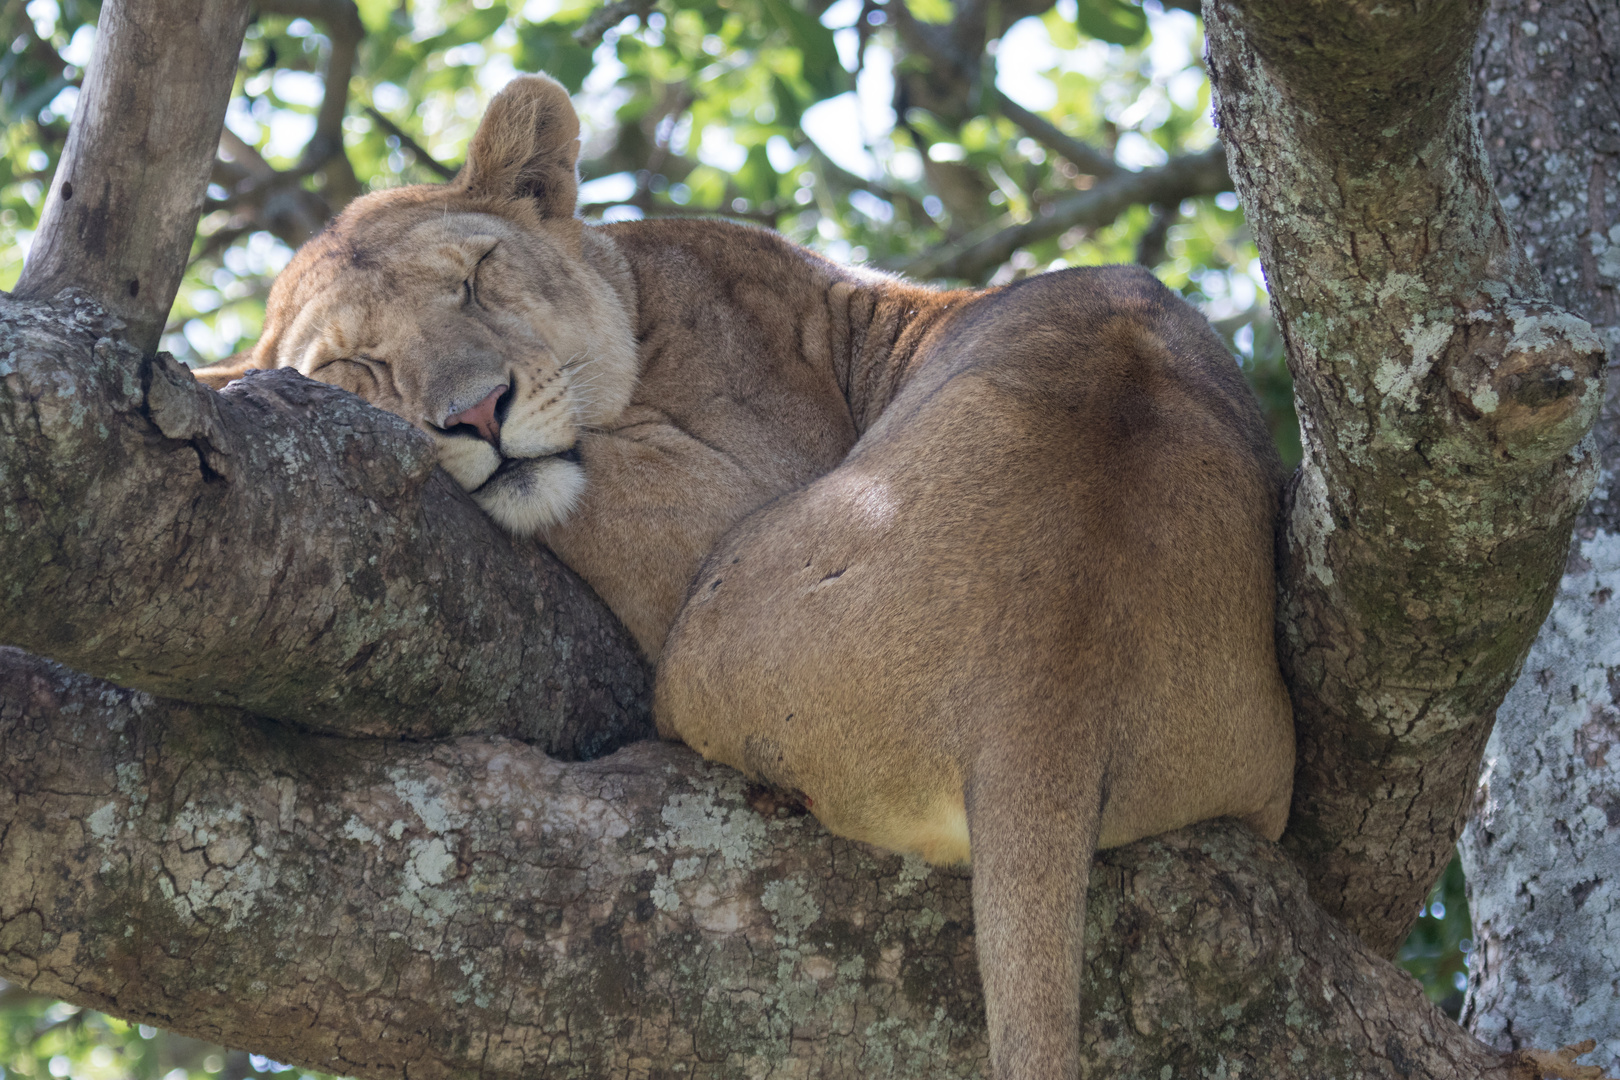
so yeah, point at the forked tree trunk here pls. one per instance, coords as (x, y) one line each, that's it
(458, 902)
(1442, 409)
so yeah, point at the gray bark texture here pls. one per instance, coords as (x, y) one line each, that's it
(122, 207)
(337, 838)
(1443, 407)
(283, 548)
(1542, 854)
(473, 907)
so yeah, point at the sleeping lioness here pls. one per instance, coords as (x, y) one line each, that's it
(979, 573)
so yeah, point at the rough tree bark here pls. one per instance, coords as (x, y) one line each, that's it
(1541, 856)
(1442, 406)
(283, 548)
(472, 907)
(469, 905)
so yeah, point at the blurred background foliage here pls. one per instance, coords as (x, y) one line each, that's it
(964, 140)
(1440, 947)
(899, 133)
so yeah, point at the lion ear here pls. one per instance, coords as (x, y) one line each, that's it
(527, 147)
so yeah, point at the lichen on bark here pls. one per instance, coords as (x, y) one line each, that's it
(472, 906)
(1443, 403)
(1543, 877)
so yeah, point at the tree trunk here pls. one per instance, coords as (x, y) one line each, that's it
(1442, 406)
(124, 202)
(466, 904)
(1541, 858)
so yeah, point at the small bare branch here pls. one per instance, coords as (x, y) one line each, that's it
(1084, 156)
(1151, 244)
(217, 242)
(423, 158)
(245, 156)
(955, 50)
(1180, 178)
(324, 151)
(610, 15)
(842, 181)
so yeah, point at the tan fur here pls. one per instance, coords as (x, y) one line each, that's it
(981, 573)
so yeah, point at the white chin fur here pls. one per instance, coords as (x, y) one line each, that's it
(532, 494)
(468, 461)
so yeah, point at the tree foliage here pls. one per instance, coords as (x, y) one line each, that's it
(843, 125)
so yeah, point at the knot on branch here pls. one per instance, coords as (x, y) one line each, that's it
(50, 401)
(186, 411)
(1532, 375)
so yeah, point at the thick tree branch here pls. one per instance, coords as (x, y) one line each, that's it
(473, 907)
(1443, 408)
(119, 218)
(1181, 178)
(283, 547)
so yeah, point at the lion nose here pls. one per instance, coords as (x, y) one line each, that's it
(481, 416)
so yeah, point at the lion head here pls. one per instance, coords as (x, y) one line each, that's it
(480, 311)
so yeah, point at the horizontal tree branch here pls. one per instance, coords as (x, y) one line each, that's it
(474, 907)
(1180, 178)
(283, 547)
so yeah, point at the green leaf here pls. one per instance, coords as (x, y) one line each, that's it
(1115, 21)
(757, 180)
(550, 47)
(822, 69)
(477, 25)
(932, 11)
(375, 14)
(789, 109)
